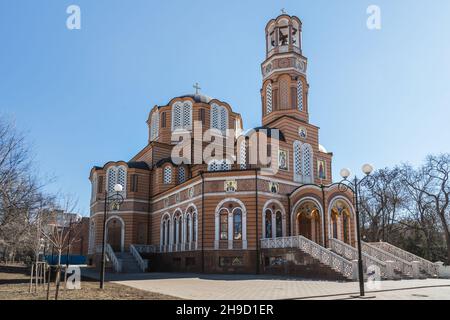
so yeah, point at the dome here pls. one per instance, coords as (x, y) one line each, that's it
(197, 97)
(322, 149)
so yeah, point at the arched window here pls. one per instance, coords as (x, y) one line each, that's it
(269, 98)
(297, 161)
(165, 230)
(307, 163)
(167, 176)
(300, 95)
(122, 176)
(182, 115)
(268, 224)
(237, 224)
(181, 174)
(279, 224)
(219, 118)
(223, 224)
(154, 126)
(116, 175)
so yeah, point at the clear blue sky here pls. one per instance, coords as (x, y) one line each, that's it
(83, 96)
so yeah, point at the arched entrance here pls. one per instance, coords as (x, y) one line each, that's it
(341, 221)
(114, 234)
(308, 221)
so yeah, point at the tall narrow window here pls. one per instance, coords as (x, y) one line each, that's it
(224, 225)
(237, 224)
(122, 176)
(112, 178)
(279, 224)
(116, 175)
(297, 161)
(194, 226)
(163, 119)
(268, 224)
(154, 126)
(243, 155)
(134, 183)
(219, 117)
(167, 176)
(182, 115)
(100, 184)
(300, 95)
(94, 187)
(269, 98)
(181, 174)
(189, 228)
(202, 116)
(307, 163)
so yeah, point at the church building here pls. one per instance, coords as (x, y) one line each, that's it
(226, 216)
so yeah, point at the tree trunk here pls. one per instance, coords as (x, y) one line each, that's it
(58, 274)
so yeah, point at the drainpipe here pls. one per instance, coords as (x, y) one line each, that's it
(257, 223)
(203, 222)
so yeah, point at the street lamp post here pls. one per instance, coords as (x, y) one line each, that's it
(354, 186)
(116, 200)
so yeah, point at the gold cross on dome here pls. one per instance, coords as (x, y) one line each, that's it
(196, 87)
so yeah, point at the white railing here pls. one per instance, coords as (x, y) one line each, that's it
(350, 253)
(400, 265)
(429, 267)
(187, 246)
(325, 256)
(143, 264)
(143, 248)
(117, 264)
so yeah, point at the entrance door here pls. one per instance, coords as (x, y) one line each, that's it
(304, 226)
(115, 235)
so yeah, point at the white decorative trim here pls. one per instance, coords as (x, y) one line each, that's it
(230, 227)
(283, 218)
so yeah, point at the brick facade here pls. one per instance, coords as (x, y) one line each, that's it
(195, 223)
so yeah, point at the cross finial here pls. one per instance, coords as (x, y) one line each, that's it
(196, 87)
(283, 11)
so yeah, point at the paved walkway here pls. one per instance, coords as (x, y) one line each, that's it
(264, 287)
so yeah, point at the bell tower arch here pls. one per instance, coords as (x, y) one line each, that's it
(285, 87)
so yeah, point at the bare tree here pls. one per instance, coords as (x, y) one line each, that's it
(431, 185)
(381, 205)
(60, 227)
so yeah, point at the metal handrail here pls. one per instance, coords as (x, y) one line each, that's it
(143, 264)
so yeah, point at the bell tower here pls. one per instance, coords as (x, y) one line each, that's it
(285, 87)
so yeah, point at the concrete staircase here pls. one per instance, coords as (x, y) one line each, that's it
(128, 262)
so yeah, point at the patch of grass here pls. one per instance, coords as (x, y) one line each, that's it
(14, 285)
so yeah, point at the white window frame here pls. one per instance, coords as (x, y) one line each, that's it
(221, 113)
(110, 184)
(269, 108)
(185, 120)
(154, 126)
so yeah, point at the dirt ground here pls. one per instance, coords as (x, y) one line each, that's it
(15, 285)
